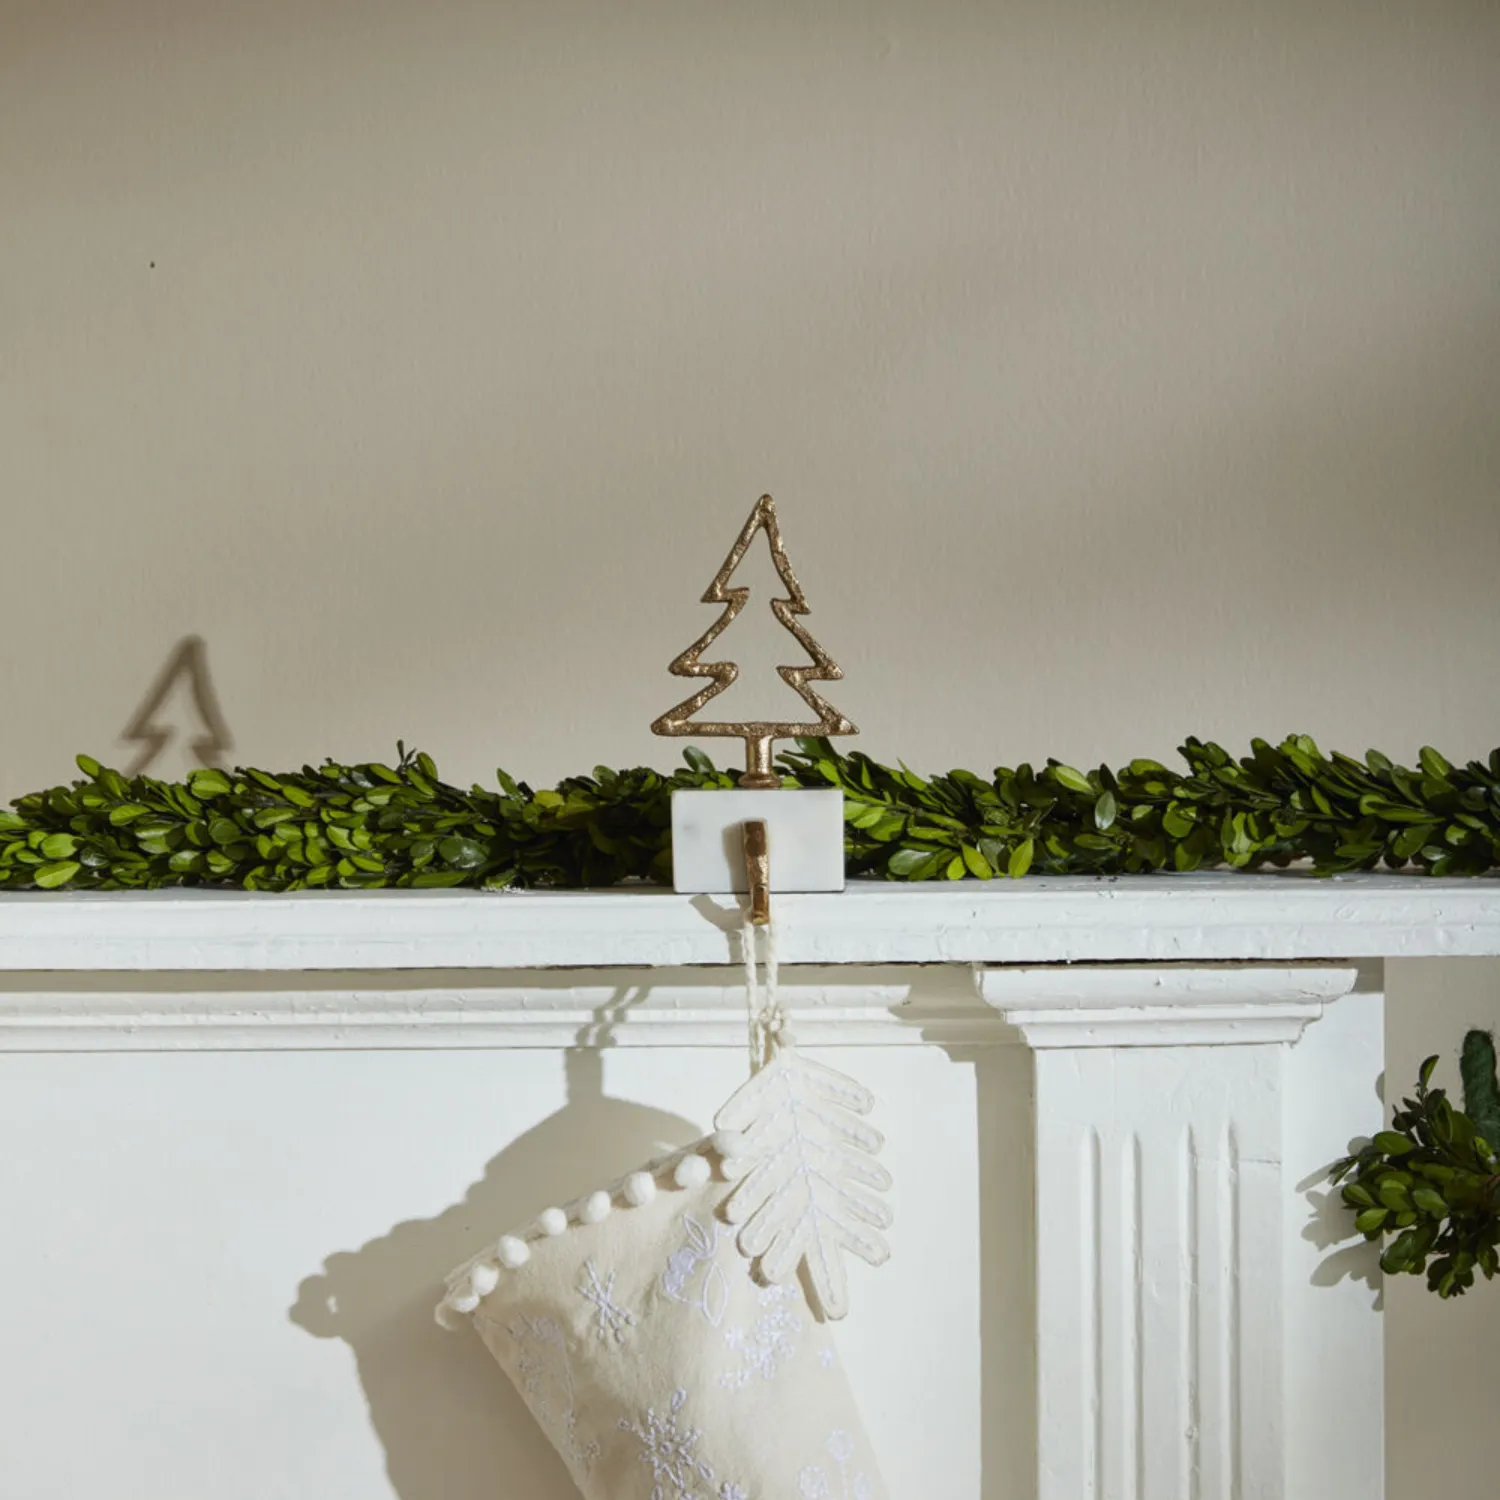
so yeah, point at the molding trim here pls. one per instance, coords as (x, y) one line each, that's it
(1042, 919)
(219, 1012)
(1170, 1005)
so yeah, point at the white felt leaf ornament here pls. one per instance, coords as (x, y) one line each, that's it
(805, 1175)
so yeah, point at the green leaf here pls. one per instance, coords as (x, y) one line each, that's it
(1371, 1219)
(1433, 764)
(1400, 1252)
(1393, 1144)
(208, 783)
(1020, 858)
(1104, 811)
(1177, 822)
(1393, 1195)
(976, 863)
(463, 854)
(932, 835)
(1430, 1202)
(1481, 1086)
(59, 872)
(1075, 781)
(88, 765)
(904, 861)
(698, 761)
(58, 846)
(127, 812)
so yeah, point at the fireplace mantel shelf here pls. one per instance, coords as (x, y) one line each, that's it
(1142, 919)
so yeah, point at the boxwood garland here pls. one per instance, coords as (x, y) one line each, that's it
(1428, 1189)
(376, 825)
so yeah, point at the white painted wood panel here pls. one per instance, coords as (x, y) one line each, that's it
(218, 1268)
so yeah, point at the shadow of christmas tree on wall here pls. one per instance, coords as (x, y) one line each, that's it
(184, 677)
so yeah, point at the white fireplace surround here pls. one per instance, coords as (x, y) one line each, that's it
(1198, 1048)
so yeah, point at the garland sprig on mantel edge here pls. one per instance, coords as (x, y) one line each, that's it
(373, 825)
(1427, 1190)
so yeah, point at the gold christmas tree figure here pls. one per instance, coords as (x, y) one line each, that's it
(758, 736)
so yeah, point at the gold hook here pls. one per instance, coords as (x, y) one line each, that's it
(758, 869)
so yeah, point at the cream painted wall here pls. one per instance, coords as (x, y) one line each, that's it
(1122, 371)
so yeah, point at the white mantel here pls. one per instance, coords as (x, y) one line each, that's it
(1141, 918)
(1200, 1047)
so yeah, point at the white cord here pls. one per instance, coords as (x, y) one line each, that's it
(766, 1017)
(752, 992)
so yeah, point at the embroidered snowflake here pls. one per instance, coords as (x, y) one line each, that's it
(770, 1344)
(546, 1379)
(672, 1451)
(614, 1321)
(813, 1481)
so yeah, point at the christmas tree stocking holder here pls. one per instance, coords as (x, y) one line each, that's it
(668, 1329)
(746, 840)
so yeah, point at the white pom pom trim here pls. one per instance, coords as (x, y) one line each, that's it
(639, 1189)
(513, 1253)
(473, 1283)
(692, 1171)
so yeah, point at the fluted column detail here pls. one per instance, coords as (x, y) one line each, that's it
(1162, 1217)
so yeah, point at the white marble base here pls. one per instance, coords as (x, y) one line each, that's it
(804, 830)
